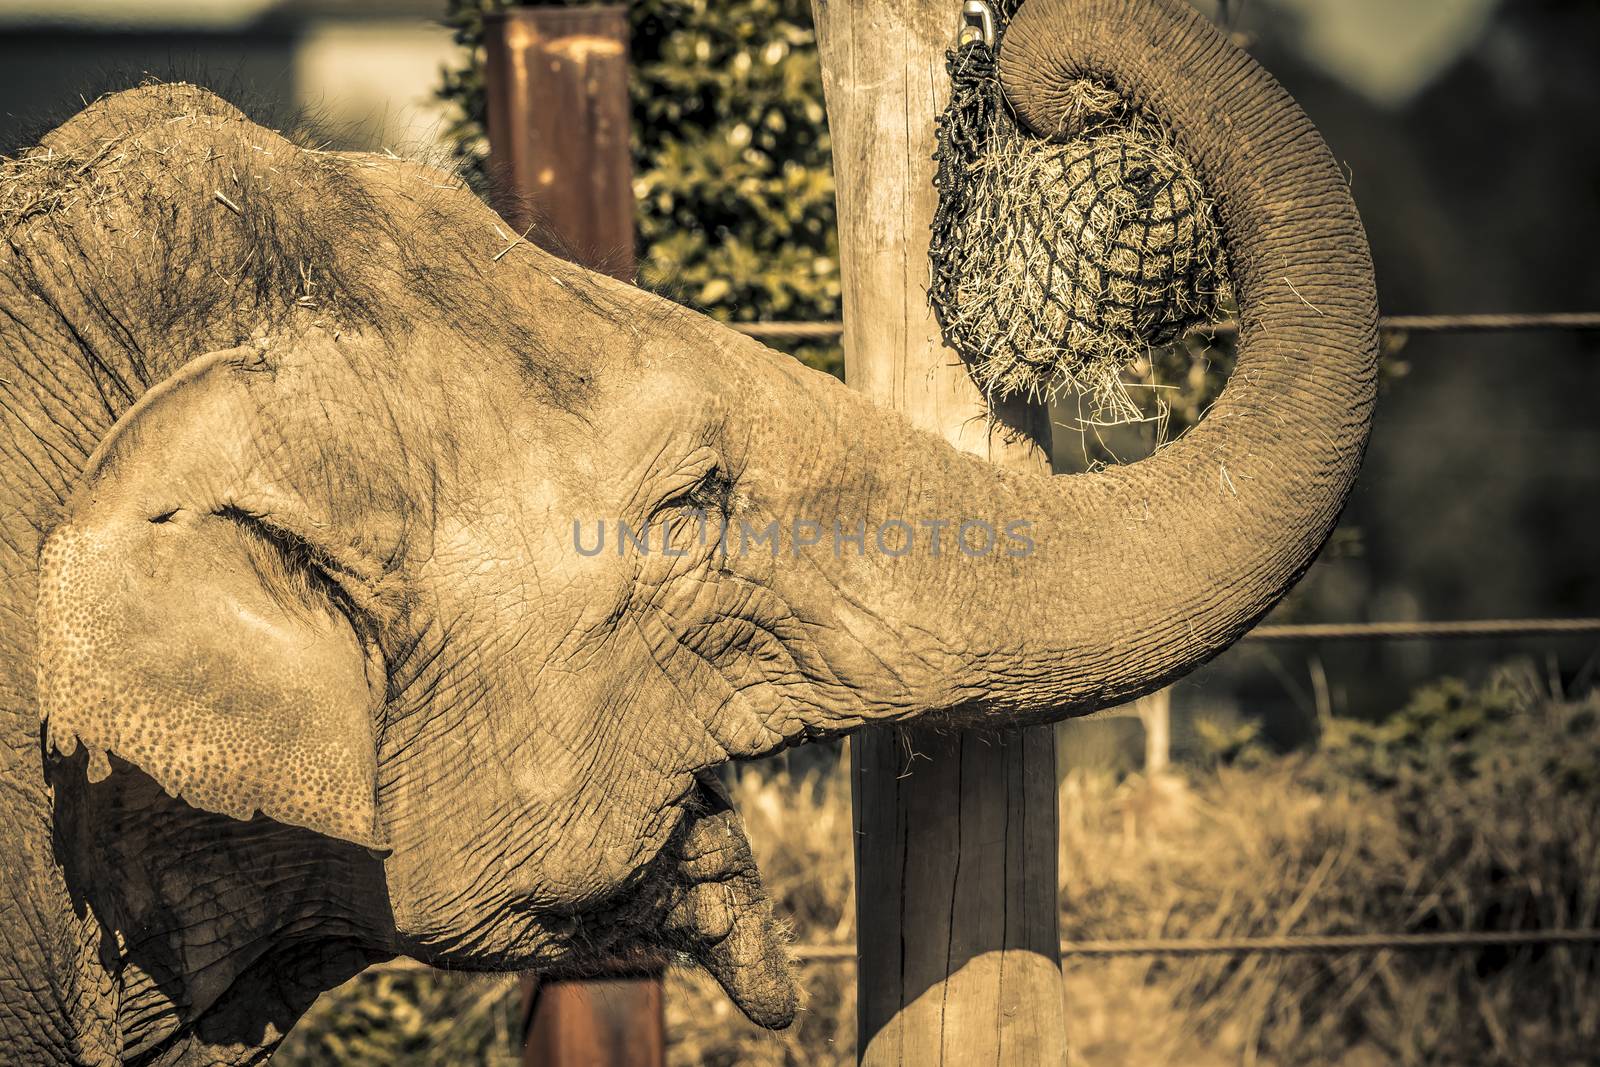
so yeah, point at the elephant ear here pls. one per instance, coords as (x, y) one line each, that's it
(194, 645)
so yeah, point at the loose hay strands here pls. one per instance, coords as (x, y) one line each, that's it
(39, 181)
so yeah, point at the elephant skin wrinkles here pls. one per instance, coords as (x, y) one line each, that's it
(299, 666)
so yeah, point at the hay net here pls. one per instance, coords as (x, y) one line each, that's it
(1058, 262)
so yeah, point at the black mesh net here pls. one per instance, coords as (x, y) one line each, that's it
(1058, 262)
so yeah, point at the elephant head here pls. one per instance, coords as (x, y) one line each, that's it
(472, 565)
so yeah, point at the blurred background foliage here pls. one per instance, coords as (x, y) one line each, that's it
(732, 171)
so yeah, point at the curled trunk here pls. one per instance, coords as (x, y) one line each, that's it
(1138, 573)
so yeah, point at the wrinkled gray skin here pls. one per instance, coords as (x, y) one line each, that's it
(291, 466)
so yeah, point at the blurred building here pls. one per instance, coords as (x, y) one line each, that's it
(361, 73)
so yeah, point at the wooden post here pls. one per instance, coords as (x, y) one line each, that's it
(1155, 712)
(558, 118)
(956, 831)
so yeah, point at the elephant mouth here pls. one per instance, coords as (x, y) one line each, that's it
(701, 898)
(720, 915)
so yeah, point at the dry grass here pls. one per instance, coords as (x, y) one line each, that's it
(1485, 821)
(1486, 824)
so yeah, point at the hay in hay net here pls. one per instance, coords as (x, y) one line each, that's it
(1057, 263)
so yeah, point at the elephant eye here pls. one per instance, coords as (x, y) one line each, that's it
(713, 492)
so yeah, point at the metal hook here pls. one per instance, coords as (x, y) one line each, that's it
(977, 24)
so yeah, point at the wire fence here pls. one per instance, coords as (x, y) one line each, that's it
(1495, 323)
(1318, 944)
(1423, 630)
(1283, 945)
(1356, 631)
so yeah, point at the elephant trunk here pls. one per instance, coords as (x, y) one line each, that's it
(1239, 508)
(1132, 576)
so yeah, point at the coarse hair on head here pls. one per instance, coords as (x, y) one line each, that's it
(189, 227)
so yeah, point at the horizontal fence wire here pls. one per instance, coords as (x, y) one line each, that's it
(1372, 631)
(1284, 945)
(1555, 320)
(1324, 944)
(790, 331)
(1423, 630)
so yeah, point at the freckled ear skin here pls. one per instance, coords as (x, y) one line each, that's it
(157, 642)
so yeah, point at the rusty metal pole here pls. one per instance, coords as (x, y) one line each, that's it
(561, 170)
(597, 1022)
(558, 116)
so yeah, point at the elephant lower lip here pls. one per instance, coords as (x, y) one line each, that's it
(722, 917)
(752, 965)
(703, 899)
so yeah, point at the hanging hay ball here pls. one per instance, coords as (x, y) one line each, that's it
(1059, 263)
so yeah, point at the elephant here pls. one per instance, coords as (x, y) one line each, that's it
(356, 592)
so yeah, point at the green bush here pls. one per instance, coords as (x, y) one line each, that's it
(730, 151)
(1452, 732)
(419, 1018)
